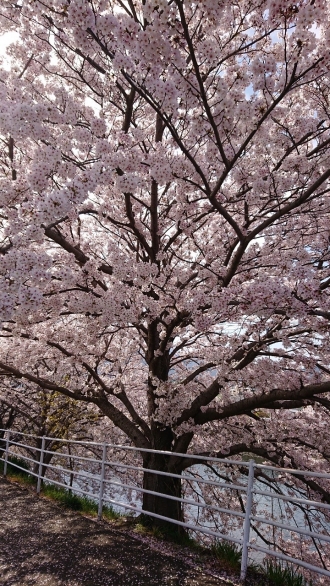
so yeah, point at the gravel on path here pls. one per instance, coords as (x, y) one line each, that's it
(44, 544)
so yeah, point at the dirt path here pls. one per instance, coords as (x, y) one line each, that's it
(41, 543)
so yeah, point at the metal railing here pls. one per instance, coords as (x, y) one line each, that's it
(13, 447)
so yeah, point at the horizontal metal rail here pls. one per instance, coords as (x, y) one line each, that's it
(291, 499)
(73, 457)
(74, 472)
(116, 464)
(29, 459)
(174, 521)
(176, 498)
(84, 474)
(19, 445)
(29, 472)
(294, 472)
(132, 448)
(289, 559)
(76, 489)
(24, 457)
(172, 475)
(291, 528)
(149, 470)
(57, 453)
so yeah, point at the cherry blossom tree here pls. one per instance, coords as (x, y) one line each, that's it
(28, 409)
(165, 222)
(8, 414)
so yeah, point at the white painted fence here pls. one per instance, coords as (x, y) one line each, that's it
(12, 447)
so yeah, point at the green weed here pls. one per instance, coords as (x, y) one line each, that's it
(56, 493)
(77, 503)
(227, 553)
(165, 532)
(16, 473)
(278, 575)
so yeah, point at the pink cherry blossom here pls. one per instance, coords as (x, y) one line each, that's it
(165, 219)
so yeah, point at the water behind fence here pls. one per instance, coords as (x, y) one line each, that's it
(256, 515)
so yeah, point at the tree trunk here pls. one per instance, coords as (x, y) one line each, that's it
(162, 439)
(161, 505)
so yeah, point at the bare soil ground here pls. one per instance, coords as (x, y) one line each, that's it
(44, 544)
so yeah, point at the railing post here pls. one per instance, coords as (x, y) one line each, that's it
(41, 461)
(6, 455)
(246, 530)
(104, 457)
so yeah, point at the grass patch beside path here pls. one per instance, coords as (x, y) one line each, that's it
(64, 496)
(144, 526)
(278, 575)
(78, 503)
(228, 554)
(17, 474)
(275, 574)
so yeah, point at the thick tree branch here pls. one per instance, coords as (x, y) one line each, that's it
(104, 405)
(260, 401)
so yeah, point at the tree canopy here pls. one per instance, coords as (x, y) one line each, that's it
(165, 218)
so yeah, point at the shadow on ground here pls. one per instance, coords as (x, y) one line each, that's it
(43, 544)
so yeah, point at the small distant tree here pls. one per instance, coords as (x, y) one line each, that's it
(8, 414)
(25, 408)
(165, 221)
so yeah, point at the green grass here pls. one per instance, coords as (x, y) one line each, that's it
(82, 504)
(227, 553)
(56, 493)
(16, 473)
(165, 532)
(278, 575)
(275, 574)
